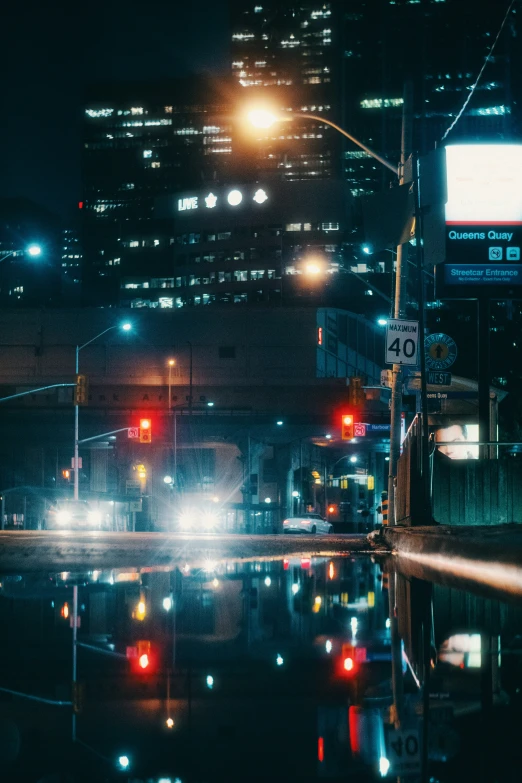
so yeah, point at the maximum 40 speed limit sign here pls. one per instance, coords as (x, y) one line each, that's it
(402, 342)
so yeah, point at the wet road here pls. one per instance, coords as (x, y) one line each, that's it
(34, 549)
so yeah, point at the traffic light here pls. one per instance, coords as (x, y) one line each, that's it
(347, 426)
(66, 474)
(356, 396)
(145, 431)
(142, 657)
(81, 390)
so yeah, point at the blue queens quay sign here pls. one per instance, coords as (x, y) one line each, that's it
(483, 219)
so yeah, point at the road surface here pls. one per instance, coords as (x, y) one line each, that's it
(31, 550)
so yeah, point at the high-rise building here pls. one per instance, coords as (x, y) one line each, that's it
(140, 142)
(348, 60)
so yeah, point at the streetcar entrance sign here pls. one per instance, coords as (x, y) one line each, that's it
(402, 342)
(440, 350)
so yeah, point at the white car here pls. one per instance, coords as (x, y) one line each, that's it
(308, 523)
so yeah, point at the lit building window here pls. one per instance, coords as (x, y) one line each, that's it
(97, 113)
(166, 302)
(293, 227)
(168, 109)
(147, 153)
(379, 103)
(134, 243)
(155, 164)
(330, 226)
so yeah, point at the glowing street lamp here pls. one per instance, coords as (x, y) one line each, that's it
(34, 250)
(264, 119)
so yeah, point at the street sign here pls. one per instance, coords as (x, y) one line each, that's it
(441, 351)
(133, 432)
(402, 342)
(359, 430)
(132, 487)
(135, 505)
(403, 751)
(439, 378)
(79, 462)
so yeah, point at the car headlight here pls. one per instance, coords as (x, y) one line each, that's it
(186, 519)
(63, 516)
(210, 519)
(94, 517)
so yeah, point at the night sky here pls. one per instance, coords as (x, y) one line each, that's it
(51, 50)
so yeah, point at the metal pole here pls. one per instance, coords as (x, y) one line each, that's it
(483, 375)
(76, 427)
(190, 378)
(419, 248)
(170, 386)
(74, 659)
(175, 451)
(399, 312)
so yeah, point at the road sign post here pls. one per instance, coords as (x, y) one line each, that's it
(402, 342)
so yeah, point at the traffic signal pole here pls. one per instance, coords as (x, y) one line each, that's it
(76, 414)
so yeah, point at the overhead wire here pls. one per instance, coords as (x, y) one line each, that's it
(486, 61)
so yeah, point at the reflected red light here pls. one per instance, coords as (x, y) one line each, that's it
(306, 562)
(286, 563)
(320, 749)
(80, 205)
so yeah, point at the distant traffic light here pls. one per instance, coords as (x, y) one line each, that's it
(347, 426)
(145, 431)
(81, 391)
(66, 474)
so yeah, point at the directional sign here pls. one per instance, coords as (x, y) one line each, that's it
(359, 430)
(133, 432)
(441, 351)
(402, 340)
(403, 749)
(439, 378)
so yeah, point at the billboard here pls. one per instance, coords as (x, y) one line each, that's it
(457, 436)
(483, 217)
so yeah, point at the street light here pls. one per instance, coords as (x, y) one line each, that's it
(31, 250)
(382, 321)
(262, 118)
(34, 250)
(126, 327)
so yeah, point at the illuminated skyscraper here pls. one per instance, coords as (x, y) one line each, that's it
(348, 60)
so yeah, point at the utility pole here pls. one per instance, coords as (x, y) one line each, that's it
(395, 418)
(399, 311)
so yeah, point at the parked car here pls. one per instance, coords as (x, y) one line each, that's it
(73, 515)
(308, 523)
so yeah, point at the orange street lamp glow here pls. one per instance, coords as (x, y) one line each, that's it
(261, 118)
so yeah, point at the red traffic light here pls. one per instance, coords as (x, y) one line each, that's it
(145, 431)
(348, 664)
(144, 661)
(347, 424)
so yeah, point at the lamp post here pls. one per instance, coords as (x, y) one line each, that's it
(171, 363)
(126, 327)
(190, 378)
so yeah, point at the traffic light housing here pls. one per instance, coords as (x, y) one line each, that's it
(81, 390)
(347, 424)
(145, 431)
